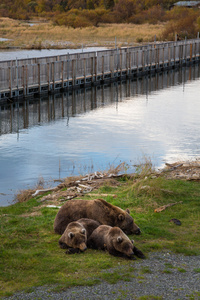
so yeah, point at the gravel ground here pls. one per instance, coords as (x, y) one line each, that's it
(163, 275)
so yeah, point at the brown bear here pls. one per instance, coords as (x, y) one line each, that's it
(99, 210)
(76, 234)
(114, 240)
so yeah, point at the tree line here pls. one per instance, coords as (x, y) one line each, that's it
(83, 13)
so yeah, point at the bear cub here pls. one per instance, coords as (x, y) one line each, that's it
(75, 236)
(115, 241)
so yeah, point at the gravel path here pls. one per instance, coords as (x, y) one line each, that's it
(163, 275)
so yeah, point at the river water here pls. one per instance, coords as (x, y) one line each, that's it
(22, 54)
(83, 131)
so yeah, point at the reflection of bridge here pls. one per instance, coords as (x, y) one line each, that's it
(30, 112)
(39, 75)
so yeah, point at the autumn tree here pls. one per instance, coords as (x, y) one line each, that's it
(124, 9)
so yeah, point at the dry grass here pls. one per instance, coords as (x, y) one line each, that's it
(24, 195)
(46, 35)
(27, 194)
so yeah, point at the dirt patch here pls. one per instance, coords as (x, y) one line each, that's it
(32, 214)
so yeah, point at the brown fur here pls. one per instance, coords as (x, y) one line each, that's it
(76, 234)
(99, 210)
(114, 240)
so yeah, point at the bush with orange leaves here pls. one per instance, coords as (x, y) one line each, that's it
(182, 21)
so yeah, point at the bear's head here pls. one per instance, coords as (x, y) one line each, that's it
(120, 242)
(74, 236)
(126, 223)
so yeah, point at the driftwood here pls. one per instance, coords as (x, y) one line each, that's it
(159, 209)
(40, 192)
(53, 206)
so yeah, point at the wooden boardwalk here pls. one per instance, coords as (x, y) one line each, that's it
(26, 77)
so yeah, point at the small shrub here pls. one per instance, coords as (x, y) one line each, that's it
(24, 195)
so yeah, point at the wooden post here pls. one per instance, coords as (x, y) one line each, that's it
(158, 59)
(174, 54)
(103, 66)
(84, 64)
(27, 74)
(111, 65)
(117, 59)
(190, 52)
(62, 73)
(17, 82)
(24, 82)
(185, 52)
(127, 55)
(143, 67)
(169, 56)
(48, 76)
(10, 80)
(73, 76)
(53, 74)
(129, 62)
(92, 69)
(163, 57)
(95, 68)
(39, 82)
(120, 63)
(195, 50)
(68, 72)
(147, 58)
(150, 58)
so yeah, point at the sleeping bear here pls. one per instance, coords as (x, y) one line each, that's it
(115, 241)
(98, 210)
(76, 234)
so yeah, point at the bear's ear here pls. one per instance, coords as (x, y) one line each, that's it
(83, 231)
(119, 239)
(132, 241)
(128, 211)
(70, 235)
(121, 217)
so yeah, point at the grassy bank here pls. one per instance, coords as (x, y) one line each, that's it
(29, 251)
(46, 35)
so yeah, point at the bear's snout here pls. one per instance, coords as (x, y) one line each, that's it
(138, 231)
(83, 247)
(130, 253)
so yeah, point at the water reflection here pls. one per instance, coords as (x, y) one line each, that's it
(37, 111)
(86, 130)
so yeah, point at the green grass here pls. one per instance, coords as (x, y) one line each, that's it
(30, 255)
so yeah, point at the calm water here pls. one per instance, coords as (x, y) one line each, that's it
(21, 54)
(88, 130)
